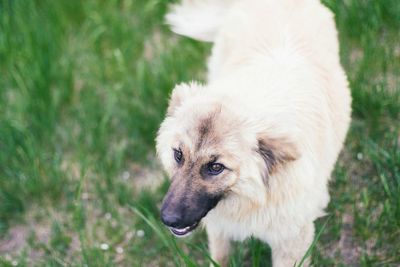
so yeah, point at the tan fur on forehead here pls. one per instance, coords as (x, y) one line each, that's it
(206, 128)
(205, 125)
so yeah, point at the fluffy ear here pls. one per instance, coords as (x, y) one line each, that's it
(276, 152)
(179, 94)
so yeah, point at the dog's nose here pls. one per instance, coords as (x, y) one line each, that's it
(170, 219)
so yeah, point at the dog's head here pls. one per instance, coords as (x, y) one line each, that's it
(210, 151)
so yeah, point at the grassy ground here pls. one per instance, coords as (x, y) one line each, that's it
(83, 88)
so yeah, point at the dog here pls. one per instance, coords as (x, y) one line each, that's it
(251, 151)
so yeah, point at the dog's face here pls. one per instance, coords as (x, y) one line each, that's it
(207, 152)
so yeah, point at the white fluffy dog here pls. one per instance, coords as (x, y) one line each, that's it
(251, 152)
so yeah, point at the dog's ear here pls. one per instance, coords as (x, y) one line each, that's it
(179, 94)
(276, 152)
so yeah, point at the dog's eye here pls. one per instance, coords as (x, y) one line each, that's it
(178, 155)
(215, 168)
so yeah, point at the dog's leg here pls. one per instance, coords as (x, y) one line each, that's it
(219, 247)
(289, 252)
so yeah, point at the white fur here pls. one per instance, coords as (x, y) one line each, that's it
(198, 19)
(275, 66)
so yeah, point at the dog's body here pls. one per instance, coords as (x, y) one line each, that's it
(273, 115)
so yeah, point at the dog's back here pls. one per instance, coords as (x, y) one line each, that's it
(278, 42)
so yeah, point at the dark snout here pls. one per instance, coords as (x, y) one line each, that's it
(183, 207)
(173, 212)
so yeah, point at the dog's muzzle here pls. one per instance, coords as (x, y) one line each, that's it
(183, 213)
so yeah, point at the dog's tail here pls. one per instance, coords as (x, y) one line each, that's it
(198, 19)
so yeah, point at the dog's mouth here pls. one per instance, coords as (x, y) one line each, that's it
(182, 232)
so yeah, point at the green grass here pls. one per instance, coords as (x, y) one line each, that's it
(83, 88)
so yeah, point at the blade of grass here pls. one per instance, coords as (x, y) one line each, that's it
(168, 242)
(314, 243)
